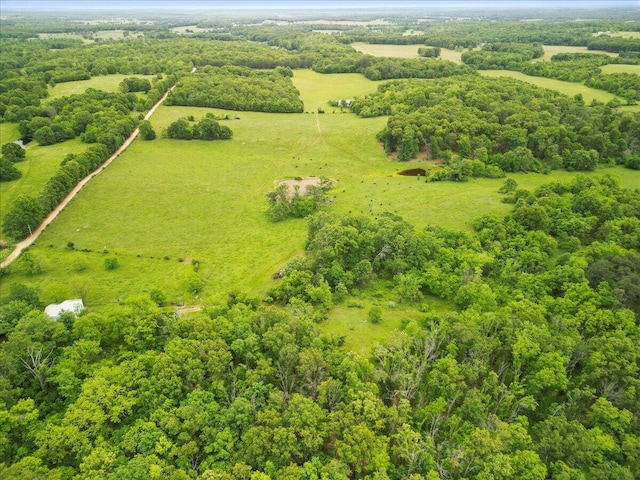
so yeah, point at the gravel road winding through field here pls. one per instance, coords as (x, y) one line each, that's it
(27, 242)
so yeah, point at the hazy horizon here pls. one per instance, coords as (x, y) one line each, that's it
(307, 4)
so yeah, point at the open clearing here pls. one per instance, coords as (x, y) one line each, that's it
(567, 88)
(620, 69)
(40, 164)
(625, 34)
(551, 50)
(403, 51)
(167, 200)
(108, 83)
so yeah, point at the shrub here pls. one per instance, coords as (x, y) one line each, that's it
(110, 263)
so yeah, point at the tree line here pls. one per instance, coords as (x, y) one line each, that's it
(500, 122)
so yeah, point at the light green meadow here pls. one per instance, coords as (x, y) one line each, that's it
(317, 89)
(567, 88)
(551, 50)
(625, 34)
(403, 51)
(108, 83)
(619, 68)
(9, 132)
(40, 164)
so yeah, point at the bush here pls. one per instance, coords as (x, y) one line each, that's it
(110, 263)
(375, 314)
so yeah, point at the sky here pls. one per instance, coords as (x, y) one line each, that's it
(183, 5)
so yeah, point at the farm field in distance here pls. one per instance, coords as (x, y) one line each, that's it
(567, 88)
(403, 51)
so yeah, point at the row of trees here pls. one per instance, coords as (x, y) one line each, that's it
(26, 213)
(501, 122)
(625, 85)
(206, 129)
(11, 153)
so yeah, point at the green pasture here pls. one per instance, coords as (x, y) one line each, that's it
(115, 35)
(316, 89)
(40, 164)
(164, 203)
(620, 68)
(567, 88)
(9, 132)
(625, 34)
(403, 51)
(193, 29)
(551, 50)
(108, 83)
(45, 36)
(385, 50)
(350, 318)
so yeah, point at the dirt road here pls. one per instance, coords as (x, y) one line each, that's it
(27, 242)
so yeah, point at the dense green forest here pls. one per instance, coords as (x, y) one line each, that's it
(499, 122)
(520, 358)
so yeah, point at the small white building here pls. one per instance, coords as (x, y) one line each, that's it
(75, 306)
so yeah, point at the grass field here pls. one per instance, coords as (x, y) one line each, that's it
(164, 202)
(567, 88)
(403, 51)
(9, 132)
(37, 168)
(615, 68)
(625, 34)
(317, 89)
(108, 83)
(551, 50)
(116, 34)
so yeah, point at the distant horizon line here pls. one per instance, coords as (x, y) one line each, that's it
(168, 5)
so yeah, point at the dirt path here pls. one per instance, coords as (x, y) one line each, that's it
(319, 130)
(27, 242)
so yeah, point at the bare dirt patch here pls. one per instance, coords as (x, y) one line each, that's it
(302, 184)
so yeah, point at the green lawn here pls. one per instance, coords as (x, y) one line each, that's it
(567, 88)
(108, 83)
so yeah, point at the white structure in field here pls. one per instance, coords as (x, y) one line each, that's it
(74, 306)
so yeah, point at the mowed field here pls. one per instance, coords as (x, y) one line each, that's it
(166, 202)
